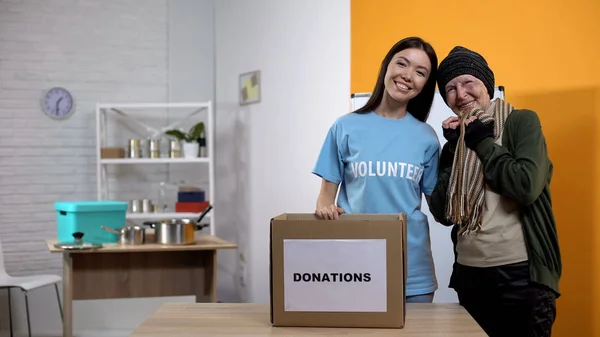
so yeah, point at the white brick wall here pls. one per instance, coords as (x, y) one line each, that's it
(100, 50)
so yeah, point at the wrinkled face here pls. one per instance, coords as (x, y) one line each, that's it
(466, 92)
(407, 74)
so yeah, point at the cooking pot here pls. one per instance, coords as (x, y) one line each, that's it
(177, 231)
(130, 235)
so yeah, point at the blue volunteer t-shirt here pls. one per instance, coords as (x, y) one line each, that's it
(383, 166)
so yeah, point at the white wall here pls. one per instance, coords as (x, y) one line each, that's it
(192, 78)
(266, 151)
(101, 50)
(191, 50)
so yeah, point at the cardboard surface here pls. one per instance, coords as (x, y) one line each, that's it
(325, 243)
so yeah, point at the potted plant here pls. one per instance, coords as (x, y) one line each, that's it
(189, 139)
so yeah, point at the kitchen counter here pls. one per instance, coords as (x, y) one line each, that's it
(252, 319)
(148, 270)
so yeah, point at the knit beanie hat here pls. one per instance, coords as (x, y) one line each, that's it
(462, 61)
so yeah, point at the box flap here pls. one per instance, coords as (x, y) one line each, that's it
(271, 265)
(404, 257)
(345, 217)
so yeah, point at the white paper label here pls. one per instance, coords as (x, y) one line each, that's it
(335, 275)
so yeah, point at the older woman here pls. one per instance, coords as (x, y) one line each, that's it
(493, 187)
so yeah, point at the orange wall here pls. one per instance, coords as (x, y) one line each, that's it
(546, 56)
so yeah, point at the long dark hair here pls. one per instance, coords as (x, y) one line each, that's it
(420, 105)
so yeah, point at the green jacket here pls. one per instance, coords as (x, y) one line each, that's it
(521, 170)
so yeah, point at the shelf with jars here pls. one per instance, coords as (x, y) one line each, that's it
(169, 144)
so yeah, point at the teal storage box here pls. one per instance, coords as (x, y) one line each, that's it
(88, 217)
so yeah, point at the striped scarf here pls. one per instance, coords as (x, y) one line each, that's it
(466, 192)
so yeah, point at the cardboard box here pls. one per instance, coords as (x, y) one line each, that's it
(112, 152)
(349, 272)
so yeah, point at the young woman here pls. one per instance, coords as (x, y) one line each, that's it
(383, 156)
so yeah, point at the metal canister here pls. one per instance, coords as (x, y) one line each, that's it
(146, 206)
(135, 206)
(202, 146)
(134, 149)
(174, 148)
(154, 148)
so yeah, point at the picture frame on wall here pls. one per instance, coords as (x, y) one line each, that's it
(250, 87)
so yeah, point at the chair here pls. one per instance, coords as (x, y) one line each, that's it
(26, 283)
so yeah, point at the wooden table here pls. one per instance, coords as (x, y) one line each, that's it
(252, 320)
(148, 270)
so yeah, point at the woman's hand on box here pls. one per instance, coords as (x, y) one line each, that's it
(331, 212)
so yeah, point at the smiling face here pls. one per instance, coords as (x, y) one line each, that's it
(466, 92)
(407, 74)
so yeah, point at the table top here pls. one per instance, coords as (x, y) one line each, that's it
(252, 319)
(205, 242)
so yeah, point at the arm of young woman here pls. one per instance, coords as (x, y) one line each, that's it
(330, 168)
(326, 208)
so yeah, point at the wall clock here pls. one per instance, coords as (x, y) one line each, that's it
(58, 103)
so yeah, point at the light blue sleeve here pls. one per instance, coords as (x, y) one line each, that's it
(430, 171)
(330, 165)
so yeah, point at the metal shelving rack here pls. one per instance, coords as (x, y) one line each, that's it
(102, 110)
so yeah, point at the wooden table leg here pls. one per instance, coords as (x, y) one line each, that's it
(67, 301)
(210, 276)
(215, 267)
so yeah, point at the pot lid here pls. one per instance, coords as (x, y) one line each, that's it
(77, 244)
